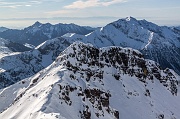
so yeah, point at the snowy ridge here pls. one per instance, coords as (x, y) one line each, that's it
(86, 82)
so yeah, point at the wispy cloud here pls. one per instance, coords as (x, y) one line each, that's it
(16, 4)
(19, 3)
(81, 4)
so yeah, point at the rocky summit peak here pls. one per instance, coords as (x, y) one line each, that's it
(37, 23)
(130, 18)
(127, 21)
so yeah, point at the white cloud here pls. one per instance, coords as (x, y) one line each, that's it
(112, 2)
(80, 4)
(28, 5)
(83, 4)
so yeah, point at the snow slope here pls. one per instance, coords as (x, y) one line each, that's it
(86, 82)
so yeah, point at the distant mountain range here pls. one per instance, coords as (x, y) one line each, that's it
(38, 32)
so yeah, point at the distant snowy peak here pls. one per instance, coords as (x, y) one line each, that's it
(37, 24)
(49, 29)
(85, 82)
(129, 19)
(143, 23)
(155, 42)
(163, 32)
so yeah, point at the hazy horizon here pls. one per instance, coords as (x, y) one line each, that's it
(98, 22)
(23, 13)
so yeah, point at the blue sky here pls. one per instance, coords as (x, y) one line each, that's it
(21, 13)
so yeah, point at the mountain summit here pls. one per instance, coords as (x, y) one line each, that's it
(37, 23)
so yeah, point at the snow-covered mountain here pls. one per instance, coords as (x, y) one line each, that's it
(90, 83)
(158, 43)
(38, 32)
(3, 29)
